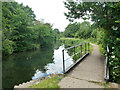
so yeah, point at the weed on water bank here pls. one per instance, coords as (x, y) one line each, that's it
(49, 83)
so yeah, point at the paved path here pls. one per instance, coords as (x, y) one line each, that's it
(88, 74)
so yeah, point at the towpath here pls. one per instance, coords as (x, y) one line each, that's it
(87, 74)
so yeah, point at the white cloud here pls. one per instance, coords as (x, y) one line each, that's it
(52, 11)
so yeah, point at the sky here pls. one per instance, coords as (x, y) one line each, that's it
(50, 11)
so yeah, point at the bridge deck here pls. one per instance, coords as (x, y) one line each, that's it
(87, 74)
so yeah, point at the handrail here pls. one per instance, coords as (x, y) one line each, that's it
(75, 53)
(73, 46)
(106, 73)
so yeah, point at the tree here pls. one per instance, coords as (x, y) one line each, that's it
(71, 29)
(17, 21)
(20, 30)
(44, 34)
(79, 30)
(106, 16)
(84, 31)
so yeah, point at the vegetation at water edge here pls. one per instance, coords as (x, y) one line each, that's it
(22, 32)
(49, 83)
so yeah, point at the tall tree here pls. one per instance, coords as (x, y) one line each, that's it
(21, 31)
(71, 29)
(107, 16)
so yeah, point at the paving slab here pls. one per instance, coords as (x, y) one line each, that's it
(69, 82)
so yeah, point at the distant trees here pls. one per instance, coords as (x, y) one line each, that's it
(71, 29)
(84, 30)
(56, 31)
(78, 30)
(44, 35)
(20, 30)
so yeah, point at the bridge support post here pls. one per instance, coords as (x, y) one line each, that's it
(74, 53)
(88, 47)
(63, 62)
(81, 50)
(85, 47)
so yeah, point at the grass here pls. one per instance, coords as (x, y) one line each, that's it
(95, 82)
(68, 42)
(101, 49)
(76, 41)
(106, 85)
(91, 40)
(70, 38)
(71, 41)
(48, 83)
(91, 48)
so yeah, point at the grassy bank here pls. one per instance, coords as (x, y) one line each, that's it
(72, 41)
(51, 82)
(76, 41)
(68, 42)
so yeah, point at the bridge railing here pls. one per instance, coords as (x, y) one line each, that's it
(83, 52)
(106, 71)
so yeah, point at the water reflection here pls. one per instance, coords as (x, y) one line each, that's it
(24, 66)
(21, 67)
(57, 65)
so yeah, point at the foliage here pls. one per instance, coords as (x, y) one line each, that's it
(85, 31)
(8, 46)
(78, 30)
(57, 34)
(71, 29)
(101, 49)
(43, 34)
(106, 16)
(20, 30)
(71, 41)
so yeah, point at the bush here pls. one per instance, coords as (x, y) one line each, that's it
(8, 46)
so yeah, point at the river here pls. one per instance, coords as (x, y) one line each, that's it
(29, 65)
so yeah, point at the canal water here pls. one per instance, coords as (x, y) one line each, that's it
(26, 66)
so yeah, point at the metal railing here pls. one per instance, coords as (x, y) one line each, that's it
(106, 72)
(83, 52)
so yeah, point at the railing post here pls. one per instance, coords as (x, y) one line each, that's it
(88, 47)
(107, 69)
(63, 62)
(81, 50)
(108, 62)
(74, 52)
(64, 41)
(107, 72)
(72, 42)
(85, 48)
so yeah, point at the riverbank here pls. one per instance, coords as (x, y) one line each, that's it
(76, 41)
(54, 80)
(50, 81)
(84, 79)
